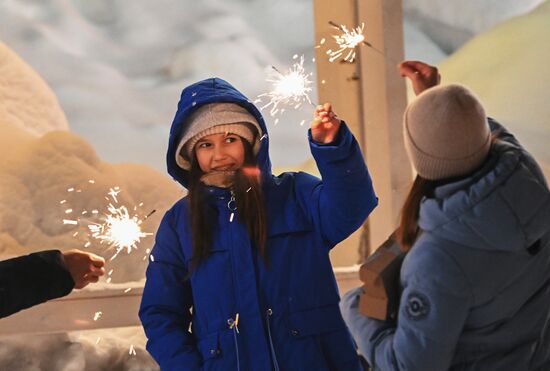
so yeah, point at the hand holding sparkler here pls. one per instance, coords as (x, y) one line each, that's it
(325, 125)
(422, 75)
(84, 267)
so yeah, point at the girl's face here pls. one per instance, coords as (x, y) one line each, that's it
(218, 152)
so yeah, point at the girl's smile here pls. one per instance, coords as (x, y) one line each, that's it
(220, 152)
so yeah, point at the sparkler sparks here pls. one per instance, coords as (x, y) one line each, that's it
(119, 230)
(118, 227)
(347, 42)
(292, 88)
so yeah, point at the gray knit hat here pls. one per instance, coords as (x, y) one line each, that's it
(217, 118)
(446, 132)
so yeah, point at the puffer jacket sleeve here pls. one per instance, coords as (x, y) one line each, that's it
(166, 304)
(433, 309)
(503, 134)
(32, 279)
(341, 202)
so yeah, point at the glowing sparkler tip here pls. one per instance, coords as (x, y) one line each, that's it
(347, 40)
(291, 88)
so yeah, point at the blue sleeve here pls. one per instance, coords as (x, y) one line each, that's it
(434, 306)
(341, 202)
(165, 310)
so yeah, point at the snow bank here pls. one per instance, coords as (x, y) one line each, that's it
(451, 23)
(36, 177)
(96, 350)
(508, 68)
(25, 99)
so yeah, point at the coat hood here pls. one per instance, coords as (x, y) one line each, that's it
(505, 206)
(213, 90)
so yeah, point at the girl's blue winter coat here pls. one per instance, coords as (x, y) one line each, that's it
(288, 314)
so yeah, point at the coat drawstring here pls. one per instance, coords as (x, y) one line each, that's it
(234, 325)
(268, 314)
(232, 206)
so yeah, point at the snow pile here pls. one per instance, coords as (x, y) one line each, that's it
(46, 179)
(118, 68)
(508, 68)
(451, 23)
(25, 99)
(42, 179)
(96, 350)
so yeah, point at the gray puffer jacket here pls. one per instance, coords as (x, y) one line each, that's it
(476, 284)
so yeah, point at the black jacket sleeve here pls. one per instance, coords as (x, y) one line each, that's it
(32, 279)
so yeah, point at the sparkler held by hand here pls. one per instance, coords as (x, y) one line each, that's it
(84, 267)
(348, 40)
(117, 228)
(325, 125)
(289, 89)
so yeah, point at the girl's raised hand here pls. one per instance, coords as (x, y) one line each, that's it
(325, 125)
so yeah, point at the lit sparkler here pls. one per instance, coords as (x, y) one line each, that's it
(347, 42)
(119, 230)
(118, 227)
(291, 88)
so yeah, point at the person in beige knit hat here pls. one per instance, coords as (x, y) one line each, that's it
(474, 286)
(446, 132)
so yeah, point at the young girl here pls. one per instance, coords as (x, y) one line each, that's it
(240, 276)
(476, 281)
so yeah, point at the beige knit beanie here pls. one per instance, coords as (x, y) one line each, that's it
(217, 118)
(446, 132)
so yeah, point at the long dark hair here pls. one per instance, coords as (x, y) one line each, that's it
(408, 229)
(250, 208)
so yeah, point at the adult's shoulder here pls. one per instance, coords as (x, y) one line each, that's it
(434, 262)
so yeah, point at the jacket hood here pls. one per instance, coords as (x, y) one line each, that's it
(213, 90)
(505, 206)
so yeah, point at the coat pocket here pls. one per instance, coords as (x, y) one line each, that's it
(315, 321)
(323, 339)
(209, 347)
(284, 225)
(218, 351)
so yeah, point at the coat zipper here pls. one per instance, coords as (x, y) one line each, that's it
(232, 206)
(268, 314)
(234, 325)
